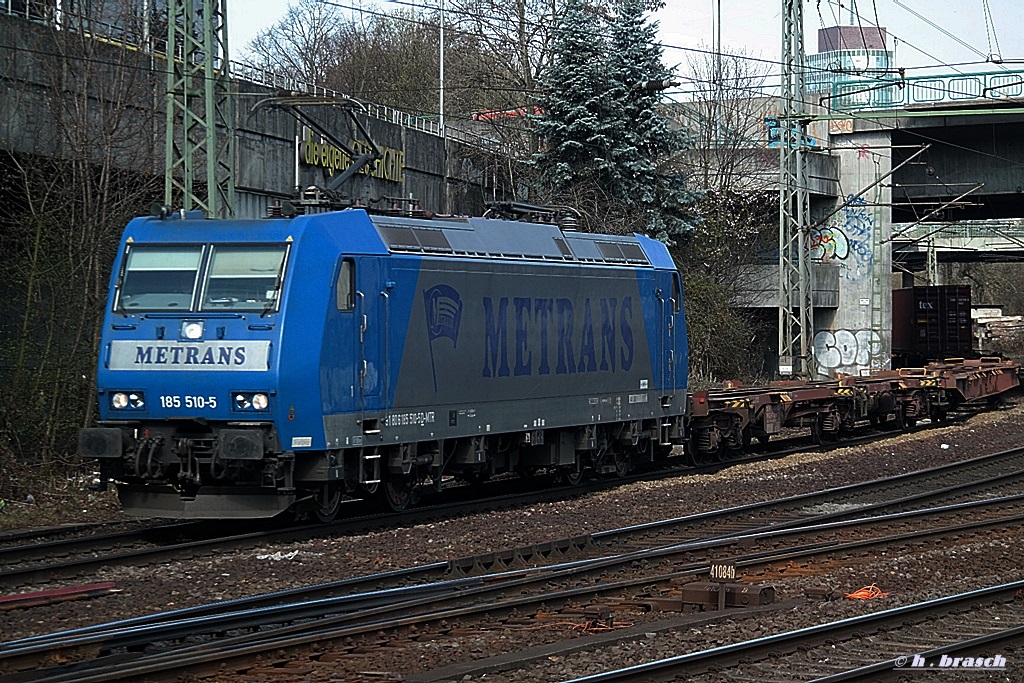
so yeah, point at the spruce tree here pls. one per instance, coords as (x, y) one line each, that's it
(575, 124)
(645, 137)
(605, 137)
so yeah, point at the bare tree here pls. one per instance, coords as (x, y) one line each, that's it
(736, 227)
(91, 102)
(726, 116)
(517, 38)
(304, 44)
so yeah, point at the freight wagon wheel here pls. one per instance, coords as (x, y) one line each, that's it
(818, 433)
(694, 455)
(879, 422)
(396, 492)
(908, 423)
(328, 504)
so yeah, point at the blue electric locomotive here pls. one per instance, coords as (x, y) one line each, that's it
(248, 367)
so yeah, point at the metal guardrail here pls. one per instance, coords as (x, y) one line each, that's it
(865, 95)
(133, 38)
(425, 124)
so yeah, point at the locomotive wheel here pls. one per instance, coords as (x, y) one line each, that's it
(622, 464)
(572, 474)
(397, 493)
(328, 504)
(526, 471)
(476, 478)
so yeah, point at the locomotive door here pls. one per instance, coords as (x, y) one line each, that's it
(372, 329)
(671, 305)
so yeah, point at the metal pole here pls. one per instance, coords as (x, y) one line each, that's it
(440, 75)
(796, 314)
(445, 208)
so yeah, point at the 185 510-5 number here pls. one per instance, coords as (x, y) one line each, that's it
(188, 402)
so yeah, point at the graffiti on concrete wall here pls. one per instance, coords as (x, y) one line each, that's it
(847, 240)
(849, 350)
(829, 243)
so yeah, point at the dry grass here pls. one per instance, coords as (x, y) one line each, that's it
(49, 508)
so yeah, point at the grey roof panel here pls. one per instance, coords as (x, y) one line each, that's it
(493, 238)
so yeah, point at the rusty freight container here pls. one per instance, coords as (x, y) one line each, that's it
(931, 323)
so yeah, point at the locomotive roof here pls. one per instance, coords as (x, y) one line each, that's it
(506, 239)
(460, 237)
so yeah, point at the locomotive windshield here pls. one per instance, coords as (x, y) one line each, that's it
(160, 278)
(244, 278)
(167, 277)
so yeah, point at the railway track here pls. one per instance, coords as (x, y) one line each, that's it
(238, 630)
(881, 646)
(61, 553)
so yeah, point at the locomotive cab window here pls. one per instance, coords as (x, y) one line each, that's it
(245, 278)
(159, 278)
(347, 285)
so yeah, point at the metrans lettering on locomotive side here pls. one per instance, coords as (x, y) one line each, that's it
(210, 355)
(576, 346)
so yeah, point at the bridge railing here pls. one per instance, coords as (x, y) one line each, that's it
(866, 95)
(1012, 229)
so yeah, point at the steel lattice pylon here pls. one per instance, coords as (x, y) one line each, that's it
(200, 159)
(796, 317)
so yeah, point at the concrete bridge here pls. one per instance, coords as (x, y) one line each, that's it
(116, 90)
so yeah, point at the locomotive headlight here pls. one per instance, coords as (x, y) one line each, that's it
(249, 401)
(128, 400)
(192, 329)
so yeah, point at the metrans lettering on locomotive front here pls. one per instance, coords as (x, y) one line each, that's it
(199, 355)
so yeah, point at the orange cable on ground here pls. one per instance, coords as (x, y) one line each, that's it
(867, 593)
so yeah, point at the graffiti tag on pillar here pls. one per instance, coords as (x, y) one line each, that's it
(827, 243)
(848, 349)
(858, 224)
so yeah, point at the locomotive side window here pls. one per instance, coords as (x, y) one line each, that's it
(159, 278)
(245, 278)
(347, 286)
(677, 293)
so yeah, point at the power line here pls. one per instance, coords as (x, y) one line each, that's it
(942, 30)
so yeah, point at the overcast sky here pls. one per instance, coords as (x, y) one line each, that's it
(754, 26)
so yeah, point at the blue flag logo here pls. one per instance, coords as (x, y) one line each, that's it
(443, 307)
